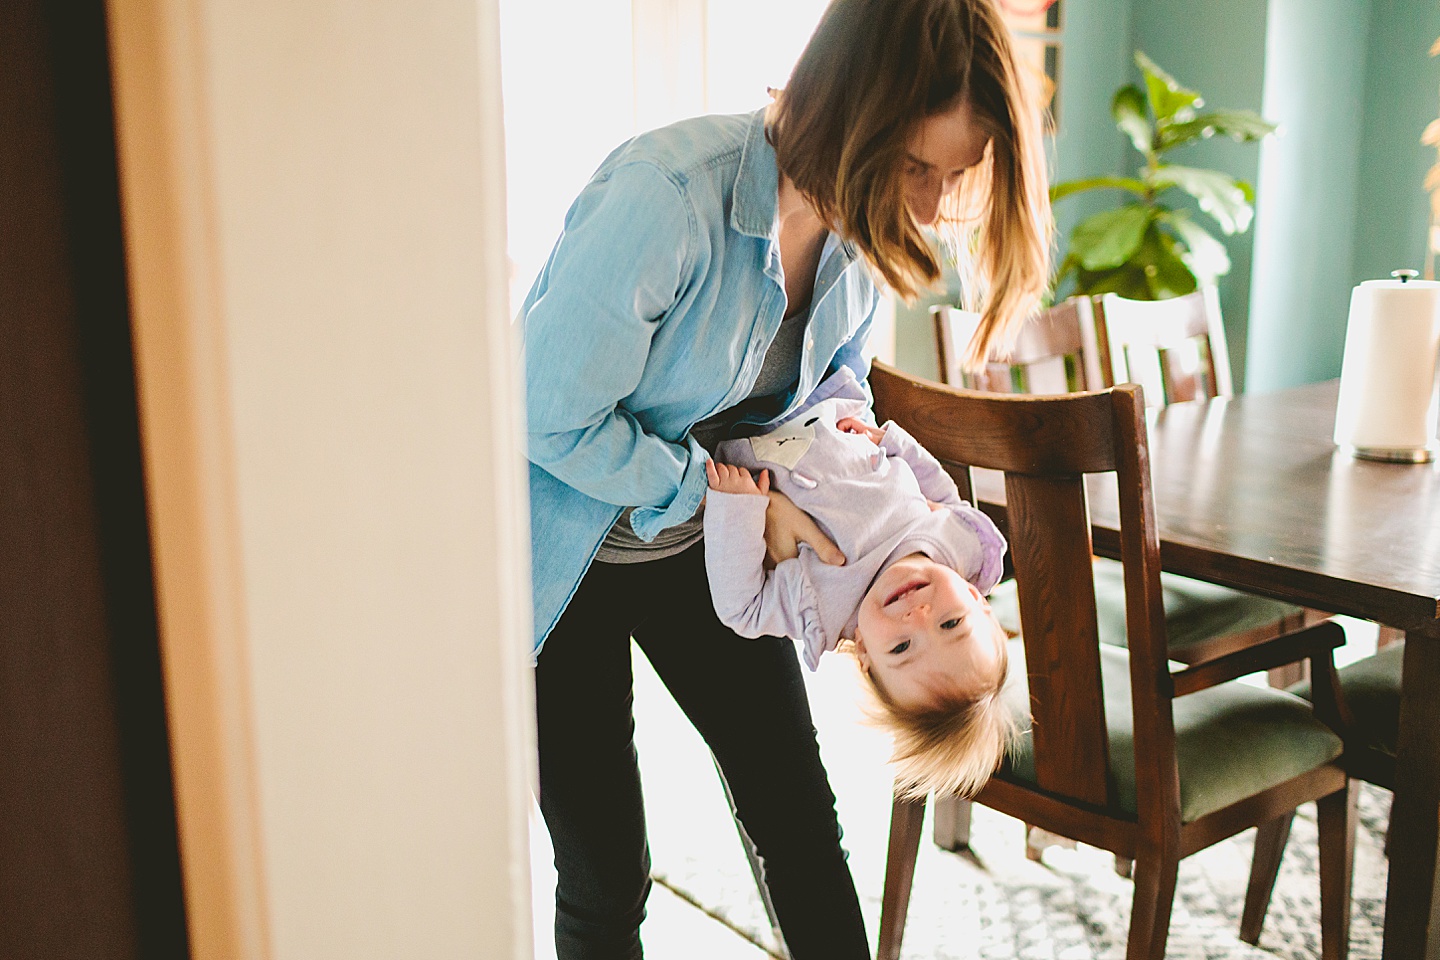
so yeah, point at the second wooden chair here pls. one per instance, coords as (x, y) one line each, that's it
(1067, 348)
(1118, 751)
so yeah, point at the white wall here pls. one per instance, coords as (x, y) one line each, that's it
(314, 209)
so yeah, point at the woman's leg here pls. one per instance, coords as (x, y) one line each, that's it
(589, 781)
(747, 699)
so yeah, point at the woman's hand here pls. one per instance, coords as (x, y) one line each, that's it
(787, 526)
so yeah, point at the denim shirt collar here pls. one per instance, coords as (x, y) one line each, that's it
(757, 185)
(757, 191)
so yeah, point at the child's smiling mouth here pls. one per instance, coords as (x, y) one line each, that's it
(904, 590)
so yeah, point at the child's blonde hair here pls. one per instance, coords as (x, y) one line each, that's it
(951, 745)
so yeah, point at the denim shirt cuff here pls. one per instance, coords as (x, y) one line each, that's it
(647, 522)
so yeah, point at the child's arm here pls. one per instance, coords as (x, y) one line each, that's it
(935, 483)
(747, 598)
(990, 546)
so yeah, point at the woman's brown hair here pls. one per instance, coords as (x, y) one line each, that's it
(873, 71)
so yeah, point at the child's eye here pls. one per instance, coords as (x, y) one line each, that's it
(952, 623)
(900, 647)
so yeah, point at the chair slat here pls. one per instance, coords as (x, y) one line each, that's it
(1057, 351)
(1049, 527)
(1024, 435)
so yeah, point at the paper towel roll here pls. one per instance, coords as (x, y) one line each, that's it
(1387, 405)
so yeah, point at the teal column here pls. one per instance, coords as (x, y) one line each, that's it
(1305, 231)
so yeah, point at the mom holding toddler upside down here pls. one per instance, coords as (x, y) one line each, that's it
(709, 278)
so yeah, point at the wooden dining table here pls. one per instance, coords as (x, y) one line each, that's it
(1251, 492)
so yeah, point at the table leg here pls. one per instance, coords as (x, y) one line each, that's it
(1412, 914)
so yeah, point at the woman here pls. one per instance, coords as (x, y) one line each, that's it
(708, 277)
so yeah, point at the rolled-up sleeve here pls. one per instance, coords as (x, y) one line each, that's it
(621, 264)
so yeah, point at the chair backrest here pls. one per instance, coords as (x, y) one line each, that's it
(1045, 445)
(1055, 352)
(1174, 348)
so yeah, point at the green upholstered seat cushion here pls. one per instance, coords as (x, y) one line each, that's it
(1195, 611)
(1371, 688)
(1231, 741)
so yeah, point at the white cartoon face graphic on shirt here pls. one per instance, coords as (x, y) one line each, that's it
(786, 445)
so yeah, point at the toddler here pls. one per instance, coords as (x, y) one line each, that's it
(910, 596)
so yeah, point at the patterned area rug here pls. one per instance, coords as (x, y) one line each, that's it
(991, 903)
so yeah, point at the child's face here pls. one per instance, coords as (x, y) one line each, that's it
(924, 629)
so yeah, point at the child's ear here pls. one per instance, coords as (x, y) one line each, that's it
(861, 654)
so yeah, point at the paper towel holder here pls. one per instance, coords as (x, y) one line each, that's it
(1398, 454)
(1381, 416)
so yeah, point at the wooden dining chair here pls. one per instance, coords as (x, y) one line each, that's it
(1370, 699)
(1175, 348)
(1204, 620)
(1118, 752)
(1061, 350)
(1055, 352)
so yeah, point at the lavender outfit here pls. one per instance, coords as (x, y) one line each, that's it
(871, 501)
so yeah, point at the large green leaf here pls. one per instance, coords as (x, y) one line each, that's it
(1110, 237)
(1206, 256)
(1136, 187)
(1165, 272)
(1131, 116)
(1242, 125)
(1167, 97)
(1224, 197)
(1128, 281)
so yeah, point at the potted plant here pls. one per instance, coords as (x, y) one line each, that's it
(1147, 249)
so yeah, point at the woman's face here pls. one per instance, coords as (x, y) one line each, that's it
(937, 155)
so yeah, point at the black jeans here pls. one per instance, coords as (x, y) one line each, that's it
(747, 699)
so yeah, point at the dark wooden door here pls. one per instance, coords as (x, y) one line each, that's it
(89, 865)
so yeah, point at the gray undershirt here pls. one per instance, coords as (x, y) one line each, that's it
(779, 372)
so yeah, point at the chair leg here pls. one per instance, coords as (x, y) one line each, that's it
(1270, 841)
(1034, 846)
(952, 823)
(1336, 821)
(1155, 876)
(1038, 838)
(907, 817)
(1289, 674)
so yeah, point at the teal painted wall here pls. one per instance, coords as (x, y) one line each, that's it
(1402, 95)
(1218, 48)
(1343, 199)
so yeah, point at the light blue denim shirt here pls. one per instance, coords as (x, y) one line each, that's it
(654, 312)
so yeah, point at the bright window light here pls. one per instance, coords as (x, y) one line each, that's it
(569, 70)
